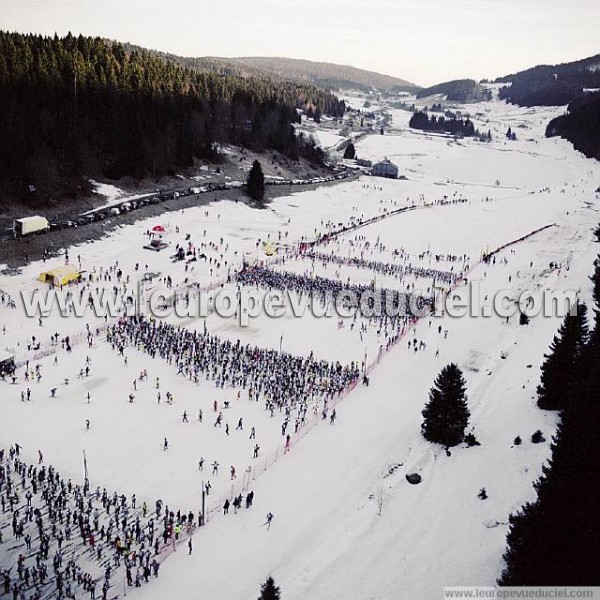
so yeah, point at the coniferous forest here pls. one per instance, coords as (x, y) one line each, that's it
(554, 539)
(551, 85)
(581, 125)
(80, 106)
(454, 126)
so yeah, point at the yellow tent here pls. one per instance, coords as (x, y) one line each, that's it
(269, 248)
(60, 275)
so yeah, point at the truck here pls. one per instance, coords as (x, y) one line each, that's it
(29, 225)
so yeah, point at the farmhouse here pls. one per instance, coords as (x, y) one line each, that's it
(385, 168)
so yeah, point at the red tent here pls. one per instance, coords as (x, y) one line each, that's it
(158, 229)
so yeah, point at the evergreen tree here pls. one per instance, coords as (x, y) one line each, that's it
(269, 591)
(554, 539)
(509, 133)
(350, 151)
(317, 115)
(256, 182)
(596, 296)
(446, 415)
(560, 371)
(450, 123)
(74, 108)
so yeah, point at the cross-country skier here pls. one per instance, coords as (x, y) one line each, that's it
(270, 517)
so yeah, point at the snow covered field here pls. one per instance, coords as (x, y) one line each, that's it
(327, 541)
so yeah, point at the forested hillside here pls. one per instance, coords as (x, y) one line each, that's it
(581, 125)
(551, 85)
(79, 106)
(459, 90)
(324, 74)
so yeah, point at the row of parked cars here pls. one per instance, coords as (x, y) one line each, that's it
(128, 205)
(117, 209)
(308, 181)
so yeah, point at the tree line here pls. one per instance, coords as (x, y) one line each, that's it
(459, 90)
(554, 539)
(74, 107)
(551, 85)
(581, 125)
(454, 125)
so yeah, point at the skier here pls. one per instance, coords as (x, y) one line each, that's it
(201, 464)
(185, 418)
(270, 517)
(166, 444)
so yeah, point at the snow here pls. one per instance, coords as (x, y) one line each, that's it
(326, 138)
(327, 541)
(114, 196)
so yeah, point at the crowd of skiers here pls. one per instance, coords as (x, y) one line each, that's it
(278, 377)
(70, 539)
(400, 270)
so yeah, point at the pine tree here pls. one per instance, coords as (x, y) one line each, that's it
(554, 540)
(560, 371)
(350, 151)
(269, 591)
(509, 133)
(256, 182)
(596, 296)
(446, 415)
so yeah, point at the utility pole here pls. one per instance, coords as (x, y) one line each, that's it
(85, 469)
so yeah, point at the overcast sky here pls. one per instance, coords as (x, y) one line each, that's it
(423, 41)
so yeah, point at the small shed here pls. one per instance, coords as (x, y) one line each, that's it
(385, 168)
(60, 275)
